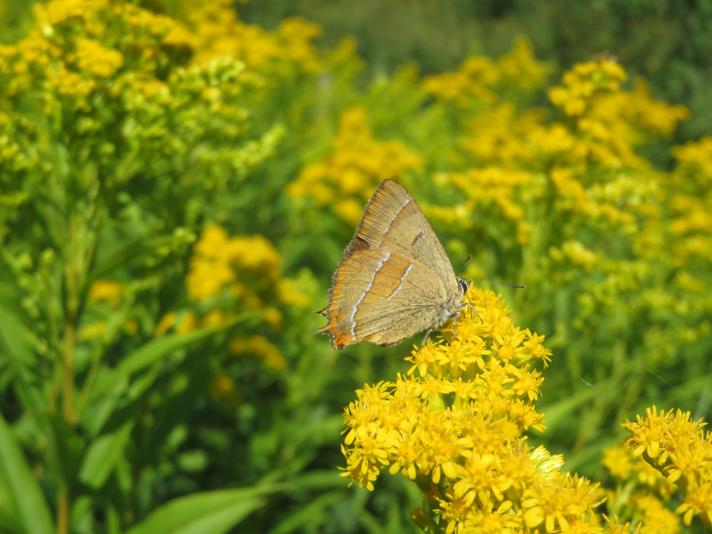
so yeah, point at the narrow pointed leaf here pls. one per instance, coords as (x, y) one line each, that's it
(27, 499)
(201, 513)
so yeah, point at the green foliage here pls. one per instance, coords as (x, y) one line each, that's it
(664, 41)
(175, 192)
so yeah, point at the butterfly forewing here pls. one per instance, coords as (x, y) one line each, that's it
(393, 219)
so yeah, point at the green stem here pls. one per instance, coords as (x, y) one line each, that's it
(68, 388)
(63, 510)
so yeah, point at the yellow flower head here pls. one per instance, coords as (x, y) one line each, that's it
(96, 59)
(584, 82)
(107, 290)
(220, 260)
(261, 348)
(681, 451)
(488, 189)
(656, 518)
(454, 424)
(478, 79)
(356, 165)
(218, 32)
(694, 161)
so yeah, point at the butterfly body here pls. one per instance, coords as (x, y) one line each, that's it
(394, 279)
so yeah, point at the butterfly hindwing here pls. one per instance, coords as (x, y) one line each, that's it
(381, 296)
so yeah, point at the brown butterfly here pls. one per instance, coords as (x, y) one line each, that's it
(394, 279)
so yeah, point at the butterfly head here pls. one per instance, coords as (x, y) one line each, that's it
(464, 285)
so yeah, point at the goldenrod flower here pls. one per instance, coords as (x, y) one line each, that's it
(618, 462)
(356, 165)
(218, 32)
(261, 348)
(681, 451)
(656, 518)
(97, 59)
(695, 159)
(454, 424)
(479, 78)
(583, 82)
(219, 260)
(107, 290)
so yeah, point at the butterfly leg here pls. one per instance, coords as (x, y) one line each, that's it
(469, 305)
(472, 307)
(426, 336)
(454, 325)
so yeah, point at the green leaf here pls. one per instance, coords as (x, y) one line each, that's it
(18, 342)
(158, 349)
(28, 502)
(103, 454)
(209, 512)
(556, 412)
(16, 337)
(113, 384)
(317, 480)
(126, 252)
(305, 515)
(68, 446)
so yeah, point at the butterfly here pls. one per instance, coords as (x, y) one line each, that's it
(394, 279)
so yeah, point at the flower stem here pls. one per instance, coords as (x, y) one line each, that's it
(68, 390)
(63, 510)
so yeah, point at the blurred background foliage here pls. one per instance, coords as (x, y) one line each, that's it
(178, 180)
(663, 41)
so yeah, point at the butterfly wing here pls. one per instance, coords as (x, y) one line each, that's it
(393, 220)
(383, 297)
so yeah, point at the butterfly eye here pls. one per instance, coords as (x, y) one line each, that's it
(464, 285)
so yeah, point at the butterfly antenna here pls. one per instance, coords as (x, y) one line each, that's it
(464, 264)
(500, 282)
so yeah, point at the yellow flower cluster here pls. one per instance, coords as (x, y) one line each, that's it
(487, 189)
(576, 253)
(520, 68)
(217, 31)
(454, 425)
(356, 165)
(641, 109)
(240, 272)
(57, 11)
(70, 52)
(585, 81)
(587, 165)
(624, 466)
(655, 517)
(229, 274)
(480, 79)
(691, 227)
(694, 160)
(681, 451)
(220, 263)
(503, 135)
(259, 347)
(97, 59)
(111, 294)
(106, 290)
(615, 123)
(595, 203)
(680, 237)
(609, 121)
(690, 197)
